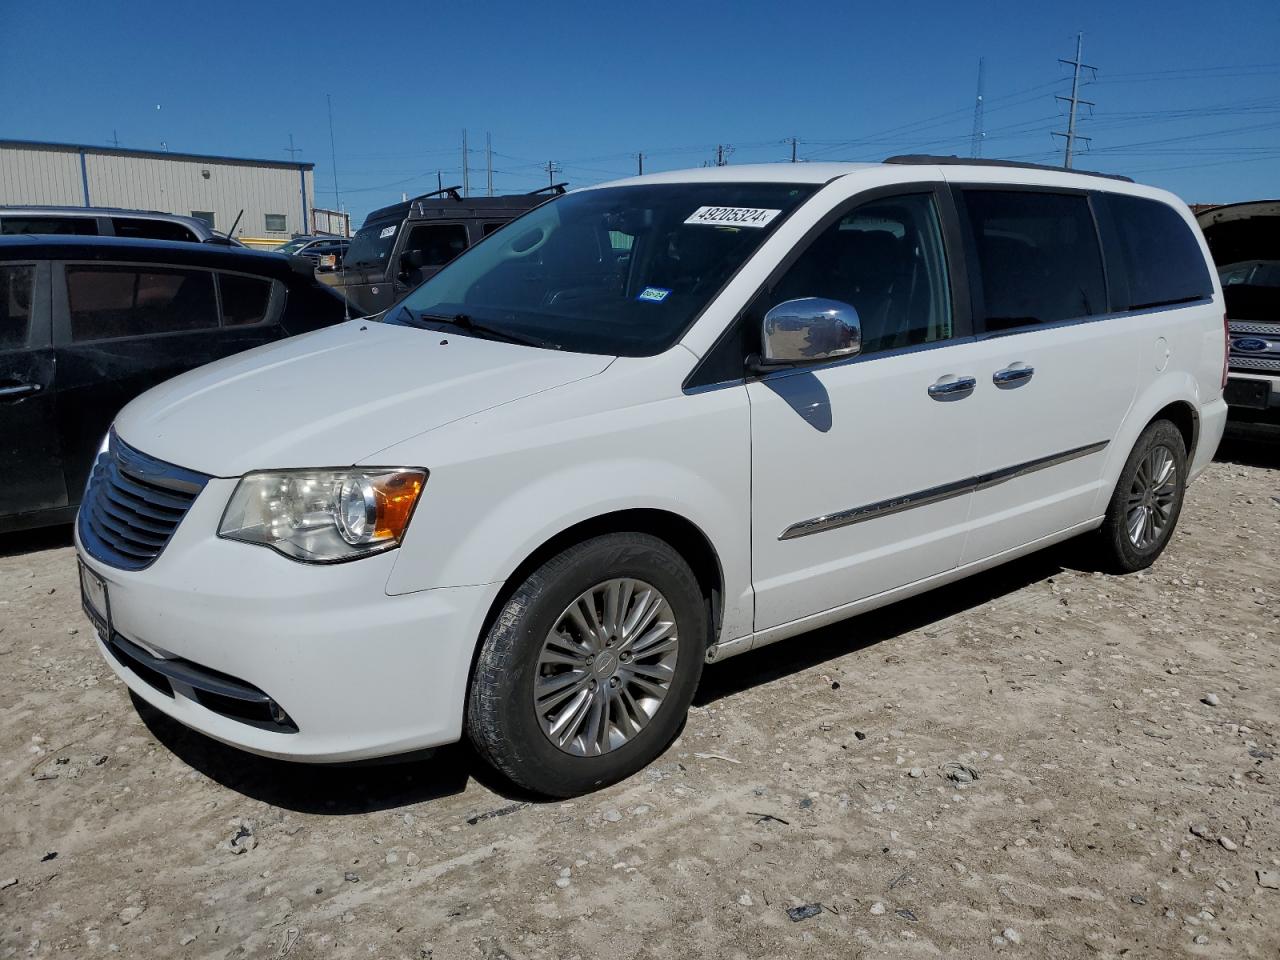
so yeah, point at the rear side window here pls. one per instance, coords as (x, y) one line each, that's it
(150, 229)
(15, 305)
(1039, 257)
(78, 226)
(244, 299)
(106, 302)
(1162, 260)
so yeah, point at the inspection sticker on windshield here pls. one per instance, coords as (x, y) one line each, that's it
(387, 232)
(733, 216)
(654, 294)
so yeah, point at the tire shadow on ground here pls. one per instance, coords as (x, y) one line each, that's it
(868, 629)
(1250, 445)
(31, 541)
(329, 789)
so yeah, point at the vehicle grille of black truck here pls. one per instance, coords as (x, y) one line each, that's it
(132, 505)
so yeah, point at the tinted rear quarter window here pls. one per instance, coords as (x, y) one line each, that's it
(151, 229)
(77, 226)
(106, 302)
(1039, 257)
(1162, 260)
(244, 299)
(15, 305)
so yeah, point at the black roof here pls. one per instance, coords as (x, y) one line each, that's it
(37, 246)
(449, 203)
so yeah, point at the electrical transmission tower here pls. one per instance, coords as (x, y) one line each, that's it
(1070, 135)
(975, 142)
(291, 150)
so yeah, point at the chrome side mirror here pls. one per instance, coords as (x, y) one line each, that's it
(809, 330)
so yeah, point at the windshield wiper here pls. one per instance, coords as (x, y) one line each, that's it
(465, 322)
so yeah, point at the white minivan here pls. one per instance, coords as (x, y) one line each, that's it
(644, 427)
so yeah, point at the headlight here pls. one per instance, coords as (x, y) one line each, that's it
(324, 516)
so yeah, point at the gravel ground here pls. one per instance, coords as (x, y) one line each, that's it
(1121, 737)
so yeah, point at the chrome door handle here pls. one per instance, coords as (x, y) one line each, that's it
(18, 391)
(952, 388)
(1013, 375)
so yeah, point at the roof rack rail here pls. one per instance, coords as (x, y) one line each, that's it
(451, 192)
(556, 188)
(953, 160)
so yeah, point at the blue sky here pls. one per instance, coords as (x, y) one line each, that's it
(1188, 95)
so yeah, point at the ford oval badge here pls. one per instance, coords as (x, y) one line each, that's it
(1249, 344)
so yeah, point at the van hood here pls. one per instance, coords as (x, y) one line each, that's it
(335, 397)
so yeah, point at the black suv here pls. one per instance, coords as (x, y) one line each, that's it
(88, 323)
(402, 245)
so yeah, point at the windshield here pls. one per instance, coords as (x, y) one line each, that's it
(372, 244)
(1254, 273)
(618, 271)
(293, 246)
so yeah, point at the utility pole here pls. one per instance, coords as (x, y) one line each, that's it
(333, 153)
(440, 181)
(975, 142)
(1071, 136)
(793, 141)
(640, 164)
(115, 141)
(552, 169)
(291, 150)
(722, 154)
(466, 176)
(488, 165)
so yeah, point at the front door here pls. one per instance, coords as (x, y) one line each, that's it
(29, 444)
(861, 469)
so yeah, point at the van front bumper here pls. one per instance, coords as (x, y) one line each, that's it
(284, 659)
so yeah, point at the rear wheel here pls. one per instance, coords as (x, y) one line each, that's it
(1147, 500)
(589, 668)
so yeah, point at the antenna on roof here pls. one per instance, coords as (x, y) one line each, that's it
(232, 231)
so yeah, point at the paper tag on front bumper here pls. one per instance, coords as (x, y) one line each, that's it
(733, 216)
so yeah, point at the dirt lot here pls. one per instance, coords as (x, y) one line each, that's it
(1115, 812)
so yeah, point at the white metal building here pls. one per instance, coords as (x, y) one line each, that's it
(275, 195)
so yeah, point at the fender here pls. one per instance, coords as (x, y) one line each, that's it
(1173, 387)
(505, 483)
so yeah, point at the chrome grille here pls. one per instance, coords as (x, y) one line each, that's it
(1242, 362)
(1245, 326)
(132, 505)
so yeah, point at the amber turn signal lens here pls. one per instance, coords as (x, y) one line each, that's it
(395, 495)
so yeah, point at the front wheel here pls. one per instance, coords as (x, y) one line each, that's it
(588, 670)
(1147, 500)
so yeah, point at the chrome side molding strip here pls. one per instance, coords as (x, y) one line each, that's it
(946, 491)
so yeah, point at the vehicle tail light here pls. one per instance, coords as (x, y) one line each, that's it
(1226, 348)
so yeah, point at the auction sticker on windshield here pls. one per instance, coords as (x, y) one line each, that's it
(387, 232)
(733, 216)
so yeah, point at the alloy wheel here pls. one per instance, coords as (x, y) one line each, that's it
(1149, 505)
(605, 667)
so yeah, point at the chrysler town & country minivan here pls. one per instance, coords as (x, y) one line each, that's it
(646, 426)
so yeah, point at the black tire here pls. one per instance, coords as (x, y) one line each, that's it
(502, 721)
(1117, 551)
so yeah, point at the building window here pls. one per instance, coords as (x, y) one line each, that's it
(205, 215)
(276, 223)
